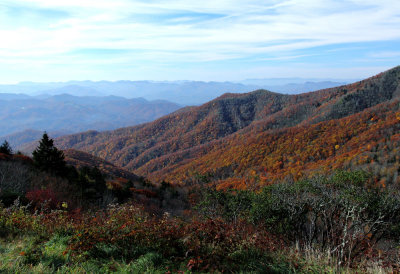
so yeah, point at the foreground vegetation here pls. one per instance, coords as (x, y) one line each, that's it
(124, 238)
(332, 223)
(56, 218)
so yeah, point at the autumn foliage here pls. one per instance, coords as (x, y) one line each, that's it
(261, 137)
(43, 198)
(231, 185)
(127, 232)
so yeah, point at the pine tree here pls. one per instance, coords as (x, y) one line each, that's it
(6, 148)
(47, 157)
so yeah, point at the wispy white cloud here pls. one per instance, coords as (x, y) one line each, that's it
(186, 31)
(385, 54)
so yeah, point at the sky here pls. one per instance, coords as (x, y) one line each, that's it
(209, 40)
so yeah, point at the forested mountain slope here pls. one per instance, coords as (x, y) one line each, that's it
(254, 131)
(80, 159)
(369, 140)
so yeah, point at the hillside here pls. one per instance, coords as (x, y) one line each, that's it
(240, 134)
(367, 140)
(80, 159)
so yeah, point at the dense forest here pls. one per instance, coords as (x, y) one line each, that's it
(258, 182)
(262, 135)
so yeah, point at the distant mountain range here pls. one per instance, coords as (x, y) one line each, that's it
(27, 109)
(23, 118)
(181, 92)
(239, 139)
(277, 82)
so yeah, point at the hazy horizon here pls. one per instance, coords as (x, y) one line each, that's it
(285, 80)
(56, 41)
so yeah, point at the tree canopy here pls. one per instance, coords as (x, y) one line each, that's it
(47, 157)
(6, 148)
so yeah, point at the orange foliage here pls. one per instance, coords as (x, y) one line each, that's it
(289, 152)
(277, 136)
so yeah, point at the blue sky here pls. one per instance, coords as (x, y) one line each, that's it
(60, 40)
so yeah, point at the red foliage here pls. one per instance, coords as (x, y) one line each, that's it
(184, 241)
(46, 198)
(23, 158)
(147, 193)
(16, 157)
(4, 156)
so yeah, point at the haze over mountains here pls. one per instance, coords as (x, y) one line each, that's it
(237, 134)
(28, 109)
(181, 92)
(23, 118)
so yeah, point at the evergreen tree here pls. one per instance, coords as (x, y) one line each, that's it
(6, 148)
(48, 158)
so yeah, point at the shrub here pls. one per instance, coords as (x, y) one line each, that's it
(345, 213)
(43, 198)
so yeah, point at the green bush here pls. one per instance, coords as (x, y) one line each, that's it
(345, 212)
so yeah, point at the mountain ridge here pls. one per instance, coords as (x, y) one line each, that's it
(70, 114)
(181, 92)
(158, 148)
